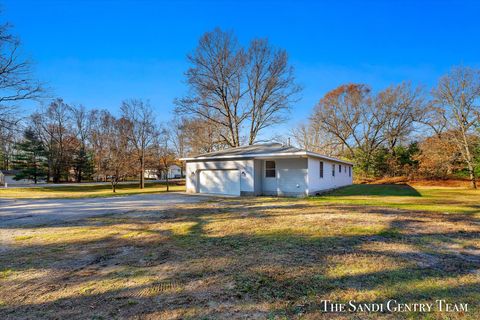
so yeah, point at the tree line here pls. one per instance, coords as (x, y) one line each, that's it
(236, 93)
(64, 142)
(401, 130)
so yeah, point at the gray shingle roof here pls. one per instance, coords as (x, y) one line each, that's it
(266, 149)
(252, 150)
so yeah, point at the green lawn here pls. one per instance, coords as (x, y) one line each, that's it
(250, 258)
(403, 196)
(84, 191)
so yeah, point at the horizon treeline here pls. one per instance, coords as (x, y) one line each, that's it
(236, 93)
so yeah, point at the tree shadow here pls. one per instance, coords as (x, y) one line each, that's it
(218, 274)
(403, 190)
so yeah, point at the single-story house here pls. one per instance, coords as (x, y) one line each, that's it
(174, 172)
(8, 177)
(266, 169)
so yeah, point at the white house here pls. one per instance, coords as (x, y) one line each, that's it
(174, 172)
(266, 169)
(8, 177)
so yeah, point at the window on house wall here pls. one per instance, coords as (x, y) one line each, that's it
(270, 169)
(333, 170)
(340, 168)
(321, 169)
(349, 171)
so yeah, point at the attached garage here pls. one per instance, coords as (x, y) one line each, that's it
(225, 182)
(265, 169)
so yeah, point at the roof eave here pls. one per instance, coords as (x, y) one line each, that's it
(269, 155)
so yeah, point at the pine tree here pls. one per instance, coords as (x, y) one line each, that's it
(83, 165)
(31, 159)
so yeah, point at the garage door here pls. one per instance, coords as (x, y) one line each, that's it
(220, 182)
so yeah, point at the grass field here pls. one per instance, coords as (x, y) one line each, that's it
(251, 258)
(404, 196)
(84, 191)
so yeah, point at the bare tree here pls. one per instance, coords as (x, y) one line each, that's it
(16, 82)
(215, 80)
(201, 136)
(458, 94)
(8, 138)
(141, 130)
(341, 112)
(363, 122)
(271, 86)
(310, 136)
(164, 155)
(233, 88)
(117, 162)
(53, 126)
(404, 107)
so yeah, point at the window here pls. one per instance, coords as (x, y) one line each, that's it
(321, 169)
(270, 169)
(349, 171)
(333, 170)
(340, 168)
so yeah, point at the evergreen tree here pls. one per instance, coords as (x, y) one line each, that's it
(31, 159)
(83, 165)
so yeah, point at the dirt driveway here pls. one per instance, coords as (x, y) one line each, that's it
(27, 212)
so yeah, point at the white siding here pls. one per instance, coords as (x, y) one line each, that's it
(294, 176)
(9, 180)
(258, 176)
(290, 179)
(244, 166)
(315, 183)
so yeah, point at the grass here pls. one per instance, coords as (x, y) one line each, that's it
(406, 197)
(248, 258)
(84, 191)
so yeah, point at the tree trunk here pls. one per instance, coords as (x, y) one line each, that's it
(166, 179)
(142, 171)
(469, 160)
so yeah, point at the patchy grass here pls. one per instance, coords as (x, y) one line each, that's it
(243, 258)
(404, 196)
(84, 191)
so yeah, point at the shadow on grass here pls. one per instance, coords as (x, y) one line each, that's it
(404, 190)
(278, 268)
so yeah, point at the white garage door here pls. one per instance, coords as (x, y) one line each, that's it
(220, 182)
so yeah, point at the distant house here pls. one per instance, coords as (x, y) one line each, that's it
(174, 172)
(266, 169)
(7, 176)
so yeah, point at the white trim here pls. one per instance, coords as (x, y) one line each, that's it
(270, 155)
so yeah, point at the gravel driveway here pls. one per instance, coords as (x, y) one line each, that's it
(26, 212)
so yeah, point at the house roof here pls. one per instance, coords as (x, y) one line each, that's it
(10, 172)
(267, 150)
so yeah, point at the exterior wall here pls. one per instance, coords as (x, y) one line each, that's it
(245, 166)
(290, 180)
(294, 176)
(173, 171)
(258, 176)
(10, 181)
(315, 183)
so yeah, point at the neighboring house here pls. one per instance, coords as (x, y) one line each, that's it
(8, 178)
(266, 169)
(174, 172)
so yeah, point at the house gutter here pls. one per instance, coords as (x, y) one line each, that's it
(269, 155)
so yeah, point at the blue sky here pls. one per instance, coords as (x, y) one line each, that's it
(98, 53)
